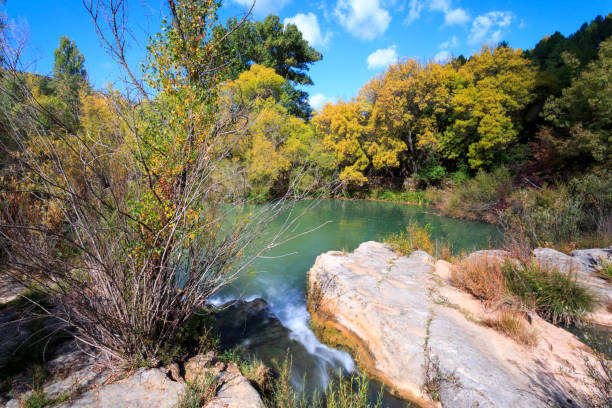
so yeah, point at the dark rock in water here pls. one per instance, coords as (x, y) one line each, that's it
(257, 332)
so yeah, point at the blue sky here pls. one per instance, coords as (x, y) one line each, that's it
(358, 38)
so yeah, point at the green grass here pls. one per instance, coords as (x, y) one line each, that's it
(555, 296)
(199, 393)
(415, 197)
(344, 392)
(38, 399)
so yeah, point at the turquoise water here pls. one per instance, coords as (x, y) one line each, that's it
(280, 279)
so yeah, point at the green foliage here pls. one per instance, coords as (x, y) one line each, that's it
(432, 175)
(413, 197)
(582, 115)
(69, 76)
(69, 62)
(554, 295)
(38, 399)
(583, 44)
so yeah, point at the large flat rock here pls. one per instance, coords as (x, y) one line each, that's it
(394, 306)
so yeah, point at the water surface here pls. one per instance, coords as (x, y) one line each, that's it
(281, 278)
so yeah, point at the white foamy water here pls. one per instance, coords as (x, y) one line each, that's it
(288, 305)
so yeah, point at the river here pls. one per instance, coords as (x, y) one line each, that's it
(280, 279)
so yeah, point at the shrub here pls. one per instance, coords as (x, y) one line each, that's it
(480, 196)
(140, 210)
(599, 372)
(512, 324)
(435, 379)
(576, 214)
(554, 295)
(431, 175)
(482, 277)
(415, 238)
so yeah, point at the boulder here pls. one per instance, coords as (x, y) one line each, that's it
(592, 257)
(406, 323)
(236, 391)
(199, 366)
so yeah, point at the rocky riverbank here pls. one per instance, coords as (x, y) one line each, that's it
(408, 326)
(76, 379)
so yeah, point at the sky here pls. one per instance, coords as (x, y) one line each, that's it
(358, 38)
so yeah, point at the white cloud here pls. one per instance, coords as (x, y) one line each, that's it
(457, 16)
(452, 16)
(382, 58)
(318, 100)
(308, 24)
(415, 11)
(365, 19)
(489, 27)
(452, 42)
(442, 56)
(263, 7)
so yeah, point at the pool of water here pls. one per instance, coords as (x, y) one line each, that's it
(280, 279)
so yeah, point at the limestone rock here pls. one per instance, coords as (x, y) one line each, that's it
(236, 391)
(394, 306)
(198, 366)
(592, 257)
(145, 389)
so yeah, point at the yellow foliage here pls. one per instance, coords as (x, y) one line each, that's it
(343, 126)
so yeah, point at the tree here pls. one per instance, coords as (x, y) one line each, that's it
(275, 140)
(492, 88)
(407, 104)
(273, 45)
(69, 74)
(343, 126)
(582, 116)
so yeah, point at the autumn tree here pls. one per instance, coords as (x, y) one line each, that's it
(343, 126)
(275, 141)
(406, 106)
(492, 88)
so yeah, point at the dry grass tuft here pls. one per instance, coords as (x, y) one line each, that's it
(513, 324)
(482, 277)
